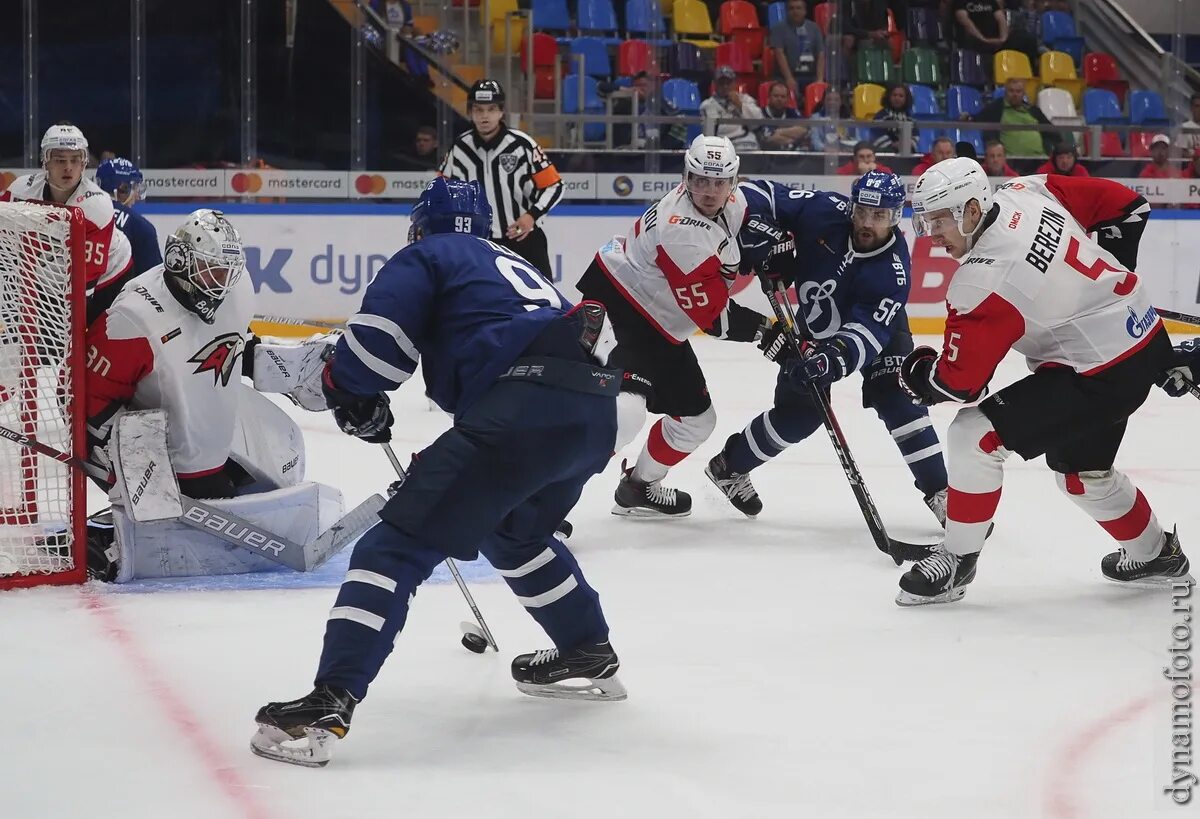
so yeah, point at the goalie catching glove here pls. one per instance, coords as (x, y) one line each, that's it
(368, 417)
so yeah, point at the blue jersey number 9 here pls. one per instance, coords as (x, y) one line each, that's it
(529, 284)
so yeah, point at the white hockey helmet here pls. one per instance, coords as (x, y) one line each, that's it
(202, 260)
(950, 184)
(711, 156)
(63, 138)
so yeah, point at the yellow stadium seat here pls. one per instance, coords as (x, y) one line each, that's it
(690, 20)
(495, 9)
(1058, 71)
(1008, 64)
(516, 34)
(868, 99)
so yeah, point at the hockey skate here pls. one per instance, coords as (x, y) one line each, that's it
(1171, 566)
(649, 499)
(587, 673)
(937, 504)
(302, 732)
(940, 578)
(735, 485)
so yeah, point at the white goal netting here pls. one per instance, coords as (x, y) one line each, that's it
(41, 499)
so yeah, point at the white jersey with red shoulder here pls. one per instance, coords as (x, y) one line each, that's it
(107, 254)
(1034, 282)
(147, 351)
(678, 265)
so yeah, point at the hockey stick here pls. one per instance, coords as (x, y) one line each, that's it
(451, 565)
(226, 525)
(897, 550)
(1186, 318)
(301, 322)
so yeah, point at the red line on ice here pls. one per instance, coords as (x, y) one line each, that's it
(222, 771)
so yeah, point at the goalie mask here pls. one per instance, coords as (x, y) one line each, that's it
(202, 261)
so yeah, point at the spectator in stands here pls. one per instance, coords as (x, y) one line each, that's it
(728, 101)
(1064, 160)
(865, 22)
(995, 159)
(1025, 29)
(799, 48)
(980, 25)
(863, 162)
(827, 137)
(1192, 171)
(1188, 141)
(897, 107)
(425, 148)
(942, 148)
(1159, 166)
(792, 137)
(1014, 109)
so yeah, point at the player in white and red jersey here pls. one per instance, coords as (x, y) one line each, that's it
(1032, 281)
(108, 260)
(670, 276)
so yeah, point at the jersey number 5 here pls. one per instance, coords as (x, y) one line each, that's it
(1098, 268)
(529, 284)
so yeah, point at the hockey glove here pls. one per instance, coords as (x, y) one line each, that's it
(1185, 366)
(368, 417)
(775, 345)
(916, 376)
(828, 361)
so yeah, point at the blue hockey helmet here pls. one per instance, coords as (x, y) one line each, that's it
(450, 206)
(876, 189)
(120, 179)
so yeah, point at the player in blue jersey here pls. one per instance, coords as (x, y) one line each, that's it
(122, 180)
(851, 268)
(535, 416)
(1185, 369)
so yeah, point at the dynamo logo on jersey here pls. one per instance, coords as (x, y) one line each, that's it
(820, 310)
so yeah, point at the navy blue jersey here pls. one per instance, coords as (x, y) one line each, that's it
(857, 296)
(464, 305)
(143, 238)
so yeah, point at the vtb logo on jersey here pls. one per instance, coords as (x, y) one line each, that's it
(219, 357)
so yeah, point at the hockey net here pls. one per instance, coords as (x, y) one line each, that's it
(42, 501)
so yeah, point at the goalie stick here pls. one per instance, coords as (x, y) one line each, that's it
(320, 324)
(226, 525)
(897, 550)
(452, 566)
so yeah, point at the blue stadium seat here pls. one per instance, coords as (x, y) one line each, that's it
(682, 95)
(925, 104)
(1147, 108)
(967, 135)
(777, 13)
(1058, 32)
(592, 104)
(962, 99)
(550, 15)
(1100, 107)
(644, 20)
(598, 17)
(595, 56)
(925, 139)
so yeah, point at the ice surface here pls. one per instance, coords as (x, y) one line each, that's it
(770, 673)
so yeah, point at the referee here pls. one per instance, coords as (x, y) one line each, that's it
(520, 183)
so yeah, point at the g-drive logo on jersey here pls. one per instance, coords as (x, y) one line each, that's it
(219, 357)
(1137, 327)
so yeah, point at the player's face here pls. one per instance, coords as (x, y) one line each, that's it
(486, 117)
(65, 168)
(214, 279)
(943, 231)
(872, 227)
(708, 193)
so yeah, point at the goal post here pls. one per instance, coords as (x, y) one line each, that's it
(43, 503)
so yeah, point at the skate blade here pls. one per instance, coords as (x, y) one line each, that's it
(643, 512)
(608, 689)
(313, 750)
(1156, 582)
(908, 600)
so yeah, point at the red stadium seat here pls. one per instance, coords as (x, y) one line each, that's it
(545, 50)
(1110, 144)
(634, 56)
(738, 58)
(1139, 144)
(1100, 71)
(814, 95)
(821, 13)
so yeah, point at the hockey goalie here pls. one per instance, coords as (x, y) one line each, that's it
(164, 386)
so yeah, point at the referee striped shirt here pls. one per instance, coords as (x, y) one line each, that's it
(515, 175)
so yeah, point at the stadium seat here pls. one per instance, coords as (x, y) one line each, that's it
(738, 21)
(682, 95)
(966, 68)
(545, 51)
(1058, 105)
(643, 18)
(1139, 144)
(920, 65)
(550, 15)
(821, 13)
(1110, 144)
(1058, 69)
(592, 104)
(875, 66)
(776, 13)
(924, 27)
(962, 99)
(925, 104)
(1100, 71)
(634, 56)
(896, 40)
(691, 22)
(925, 138)
(736, 57)
(506, 37)
(594, 56)
(1147, 108)
(868, 99)
(597, 18)
(814, 95)
(764, 90)
(1100, 107)
(1009, 64)
(1058, 32)
(686, 61)
(967, 135)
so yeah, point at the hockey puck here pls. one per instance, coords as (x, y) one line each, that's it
(475, 643)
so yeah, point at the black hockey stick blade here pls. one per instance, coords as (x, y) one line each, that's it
(902, 550)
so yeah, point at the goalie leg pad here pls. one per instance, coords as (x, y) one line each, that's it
(173, 549)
